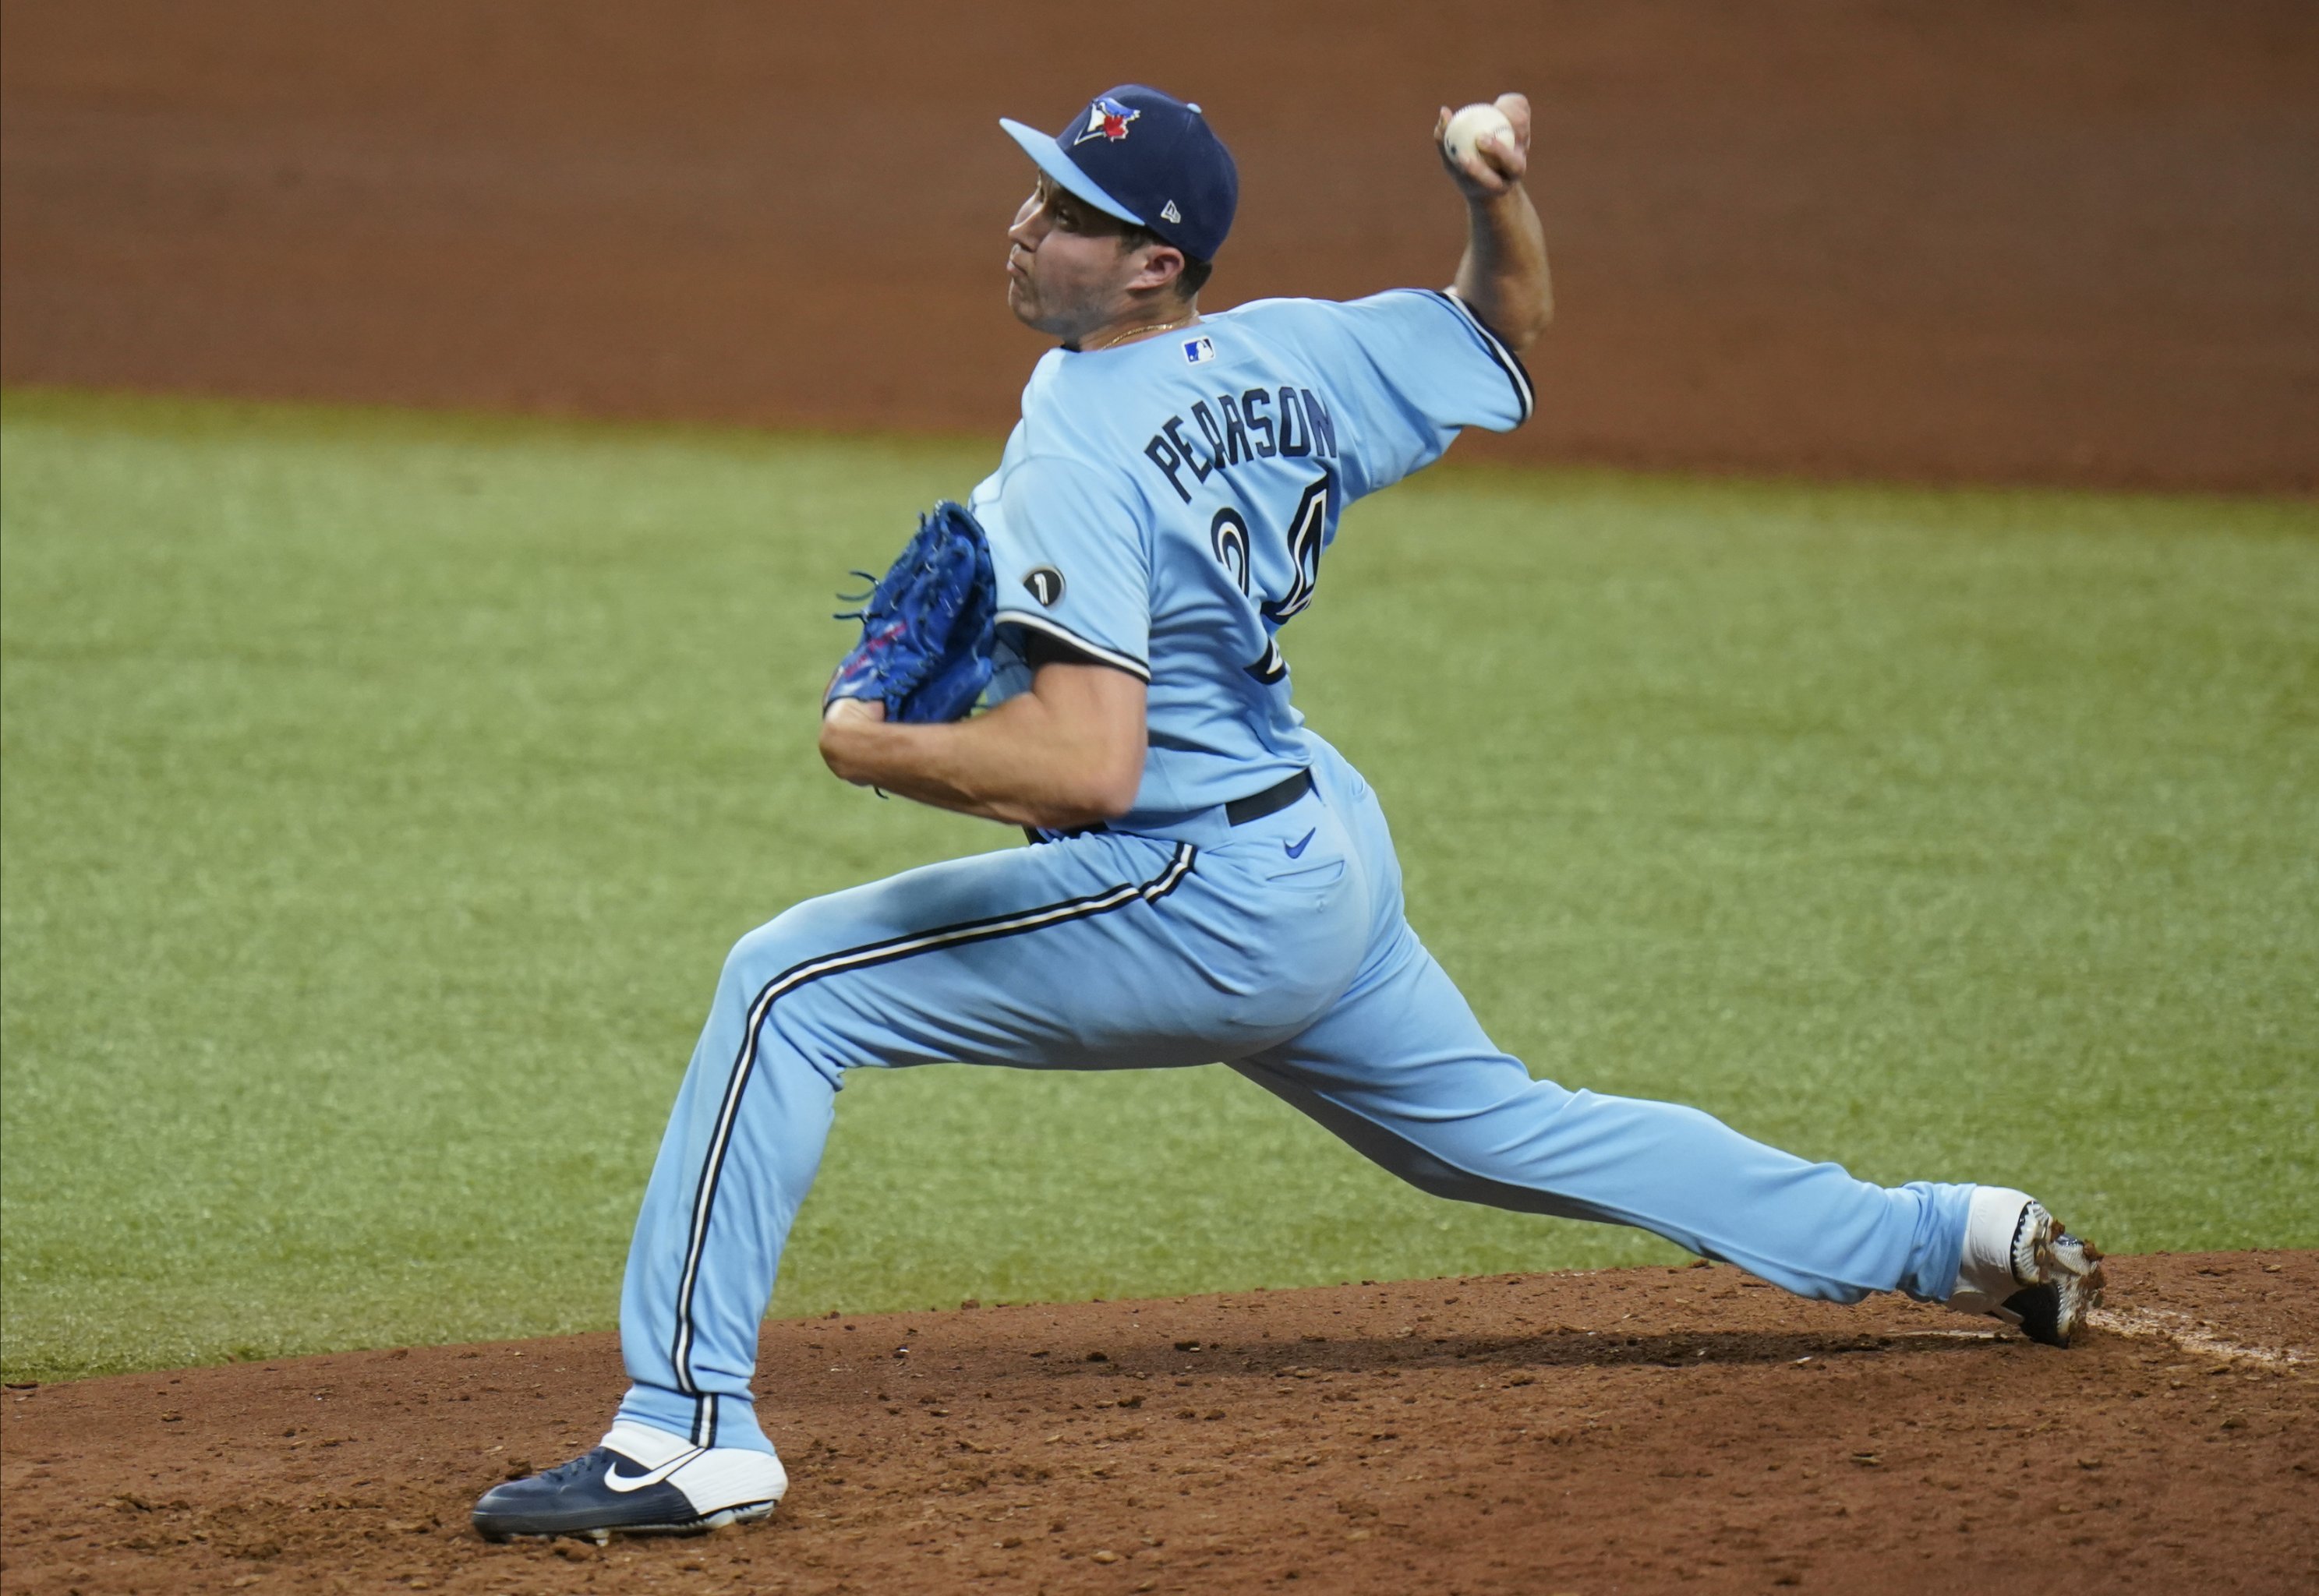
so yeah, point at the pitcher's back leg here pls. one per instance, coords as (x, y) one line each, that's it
(1401, 1071)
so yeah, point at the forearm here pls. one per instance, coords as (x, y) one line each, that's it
(1030, 762)
(1503, 276)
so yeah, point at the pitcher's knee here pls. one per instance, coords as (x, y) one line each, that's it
(763, 955)
(770, 985)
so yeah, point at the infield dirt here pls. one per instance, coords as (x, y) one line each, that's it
(1629, 1430)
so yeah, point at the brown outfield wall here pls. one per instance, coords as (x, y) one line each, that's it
(2019, 241)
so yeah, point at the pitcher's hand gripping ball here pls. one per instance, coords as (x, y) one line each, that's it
(1474, 126)
(926, 624)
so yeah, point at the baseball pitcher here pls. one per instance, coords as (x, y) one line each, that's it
(1090, 647)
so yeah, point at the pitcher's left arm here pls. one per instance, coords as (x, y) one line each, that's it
(1068, 752)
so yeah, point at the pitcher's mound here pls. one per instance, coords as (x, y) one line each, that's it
(1641, 1430)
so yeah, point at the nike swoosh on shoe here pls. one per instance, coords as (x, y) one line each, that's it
(618, 1481)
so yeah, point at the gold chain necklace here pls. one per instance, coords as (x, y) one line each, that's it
(1137, 332)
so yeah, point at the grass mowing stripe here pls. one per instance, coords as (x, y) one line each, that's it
(382, 792)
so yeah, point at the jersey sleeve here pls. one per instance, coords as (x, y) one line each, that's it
(1072, 566)
(1432, 368)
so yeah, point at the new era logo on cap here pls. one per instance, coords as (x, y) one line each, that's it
(1168, 212)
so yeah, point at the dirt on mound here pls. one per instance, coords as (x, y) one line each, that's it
(1640, 1430)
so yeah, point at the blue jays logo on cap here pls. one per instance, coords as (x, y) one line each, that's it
(1106, 119)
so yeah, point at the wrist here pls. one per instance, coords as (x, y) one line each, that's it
(1492, 209)
(845, 732)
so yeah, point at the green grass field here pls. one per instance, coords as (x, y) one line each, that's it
(381, 792)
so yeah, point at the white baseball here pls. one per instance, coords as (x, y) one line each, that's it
(1472, 125)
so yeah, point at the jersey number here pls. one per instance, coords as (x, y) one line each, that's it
(1308, 527)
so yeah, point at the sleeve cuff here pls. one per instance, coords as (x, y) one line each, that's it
(1498, 350)
(1071, 642)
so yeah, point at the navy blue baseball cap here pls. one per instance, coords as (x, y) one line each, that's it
(1145, 157)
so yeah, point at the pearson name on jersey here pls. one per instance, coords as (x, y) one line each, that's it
(1255, 424)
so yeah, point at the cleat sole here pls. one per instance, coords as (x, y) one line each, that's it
(746, 1512)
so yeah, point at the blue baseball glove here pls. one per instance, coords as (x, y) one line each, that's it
(926, 624)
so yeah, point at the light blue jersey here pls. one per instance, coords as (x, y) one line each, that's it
(1163, 508)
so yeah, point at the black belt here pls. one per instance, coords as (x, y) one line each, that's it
(1271, 802)
(1239, 812)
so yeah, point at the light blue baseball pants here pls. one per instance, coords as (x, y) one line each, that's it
(1121, 951)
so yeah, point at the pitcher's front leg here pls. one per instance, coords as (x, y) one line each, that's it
(935, 964)
(743, 1145)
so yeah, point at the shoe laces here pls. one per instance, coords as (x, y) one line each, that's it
(564, 1473)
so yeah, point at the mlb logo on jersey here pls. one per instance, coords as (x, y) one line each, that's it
(1106, 119)
(1198, 351)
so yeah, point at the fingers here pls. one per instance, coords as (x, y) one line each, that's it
(854, 709)
(1480, 172)
(1516, 112)
(1509, 157)
(1495, 167)
(1450, 163)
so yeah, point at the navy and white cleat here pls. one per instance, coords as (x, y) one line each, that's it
(637, 1481)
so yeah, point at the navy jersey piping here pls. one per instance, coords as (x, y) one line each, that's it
(1062, 634)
